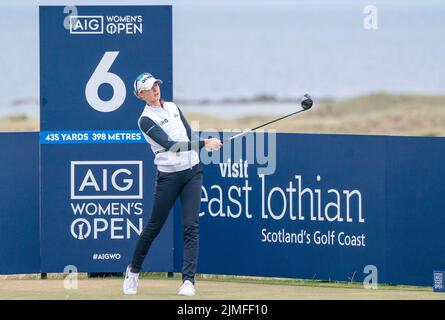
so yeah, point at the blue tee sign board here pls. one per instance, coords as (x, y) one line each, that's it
(97, 172)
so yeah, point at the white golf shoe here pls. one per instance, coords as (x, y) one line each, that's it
(131, 282)
(187, 289)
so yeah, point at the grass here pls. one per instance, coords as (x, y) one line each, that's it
(282, 281)
(209, 287)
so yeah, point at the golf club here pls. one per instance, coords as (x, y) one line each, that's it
(306, 104)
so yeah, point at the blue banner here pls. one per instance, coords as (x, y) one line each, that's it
(415, 209)
(331, 207)
(348, 208)
(97, 170)
(19, 203)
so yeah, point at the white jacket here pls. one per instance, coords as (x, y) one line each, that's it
(168, 118)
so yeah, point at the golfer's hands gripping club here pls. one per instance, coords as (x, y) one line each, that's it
(212, 144)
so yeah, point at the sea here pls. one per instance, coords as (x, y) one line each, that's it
(241, 58)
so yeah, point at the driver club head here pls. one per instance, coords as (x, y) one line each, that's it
(306, 101)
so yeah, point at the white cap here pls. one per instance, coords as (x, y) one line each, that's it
(144, 81)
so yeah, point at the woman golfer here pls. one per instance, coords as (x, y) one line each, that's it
(179, 173)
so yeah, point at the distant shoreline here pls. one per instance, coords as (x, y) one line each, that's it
(381, 114)
(29, 102)
(34, 101)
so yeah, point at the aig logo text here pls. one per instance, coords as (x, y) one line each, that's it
(106, 180)
(86, 24)
(105, 24)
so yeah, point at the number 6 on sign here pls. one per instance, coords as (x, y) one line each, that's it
(100, 76)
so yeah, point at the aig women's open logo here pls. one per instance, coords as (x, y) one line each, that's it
(105, 24)
(106, 199)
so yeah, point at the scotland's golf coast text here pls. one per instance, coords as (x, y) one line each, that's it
(317, 238)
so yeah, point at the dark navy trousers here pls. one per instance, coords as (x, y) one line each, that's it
(186, 184)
